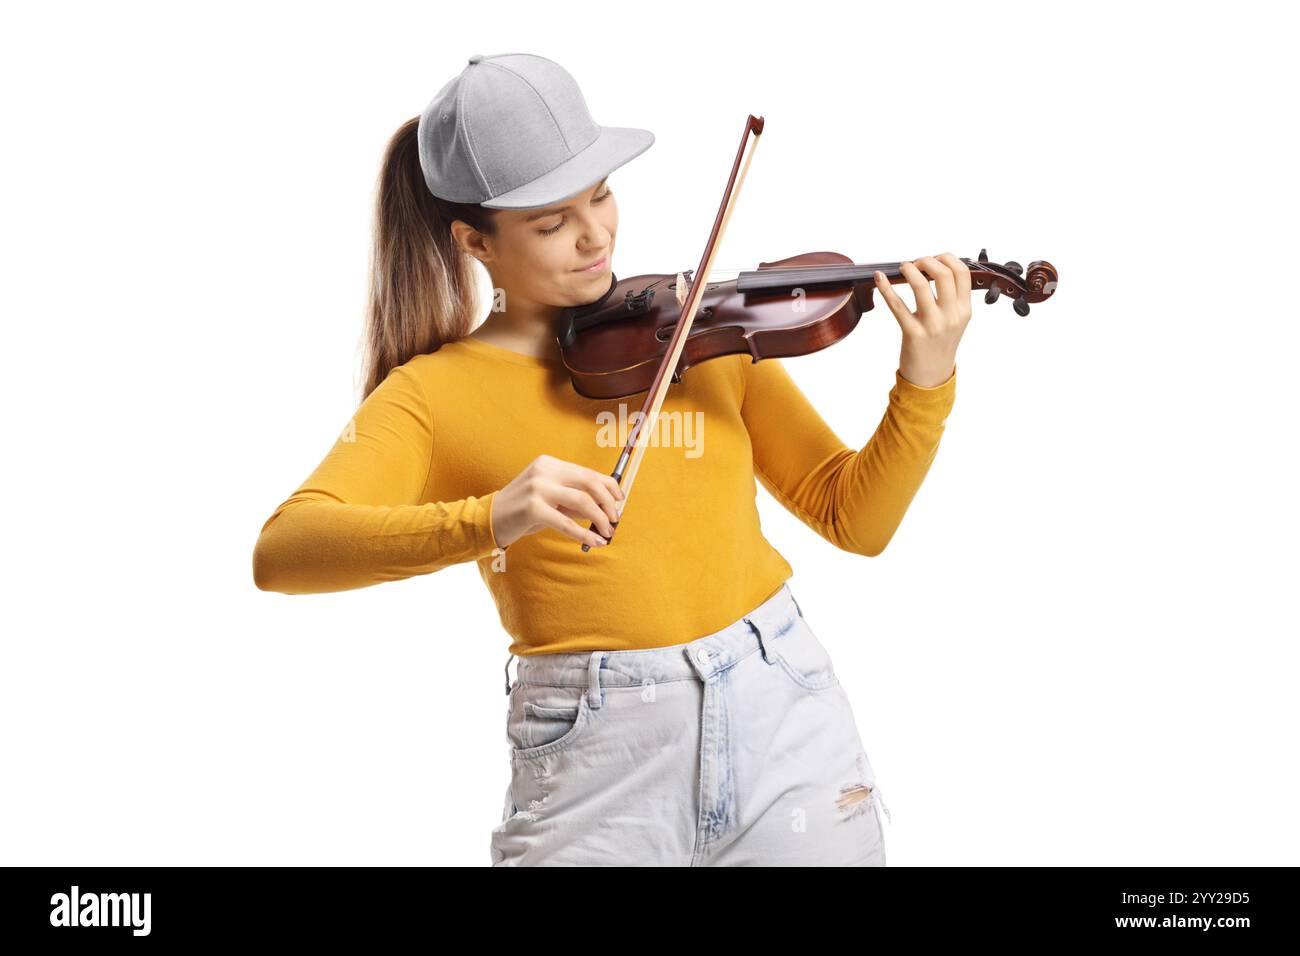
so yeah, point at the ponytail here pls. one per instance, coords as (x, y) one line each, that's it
(422, 284)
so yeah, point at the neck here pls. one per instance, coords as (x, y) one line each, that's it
(526, 327)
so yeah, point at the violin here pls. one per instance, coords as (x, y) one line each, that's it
(613, 347)
(642, 334)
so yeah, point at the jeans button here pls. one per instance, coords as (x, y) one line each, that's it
(703, 655)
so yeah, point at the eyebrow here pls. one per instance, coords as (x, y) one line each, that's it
(551, 212)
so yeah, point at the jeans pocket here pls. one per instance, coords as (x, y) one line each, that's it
(545, 720)
(803, 657)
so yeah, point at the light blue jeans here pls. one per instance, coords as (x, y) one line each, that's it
(738, 748)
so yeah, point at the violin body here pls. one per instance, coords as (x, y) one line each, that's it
(619, 353)
(614, 347)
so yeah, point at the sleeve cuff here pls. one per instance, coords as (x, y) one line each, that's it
(944, 389)
(935, 399)
(487, 542)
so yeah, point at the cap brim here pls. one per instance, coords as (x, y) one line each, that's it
(614, 146)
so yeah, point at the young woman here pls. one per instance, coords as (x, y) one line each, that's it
(671, 703)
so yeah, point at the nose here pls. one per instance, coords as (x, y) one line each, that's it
(592, 232)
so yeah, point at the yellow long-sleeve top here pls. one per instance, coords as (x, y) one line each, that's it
(408, 489)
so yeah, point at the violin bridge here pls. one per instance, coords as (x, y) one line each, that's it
(680, 286)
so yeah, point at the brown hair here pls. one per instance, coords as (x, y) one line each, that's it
(422, 284)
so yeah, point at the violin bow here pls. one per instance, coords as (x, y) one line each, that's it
(637, 442)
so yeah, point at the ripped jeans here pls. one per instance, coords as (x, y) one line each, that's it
(738, 748)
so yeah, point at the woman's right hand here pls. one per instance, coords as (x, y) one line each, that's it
(552, 493)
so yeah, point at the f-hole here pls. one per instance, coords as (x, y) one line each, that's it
(665, 332)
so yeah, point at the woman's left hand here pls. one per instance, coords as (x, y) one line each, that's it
(931, 333)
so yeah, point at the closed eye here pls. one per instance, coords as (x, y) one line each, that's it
(563, 219)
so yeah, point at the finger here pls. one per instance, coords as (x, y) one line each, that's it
(896, 305)
(961, 273)
(925, 304)
(562, 523)
(581, 519)
(944, 282)
(590, 482)
(571, 473)
(566, 520)
(579, 502)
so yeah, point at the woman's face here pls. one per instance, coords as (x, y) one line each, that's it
(539, 256)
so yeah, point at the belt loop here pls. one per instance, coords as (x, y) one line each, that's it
(769, 653)
(508, 660)
(594, 695)
(796, 603)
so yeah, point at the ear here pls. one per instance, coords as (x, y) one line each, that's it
(471, 240)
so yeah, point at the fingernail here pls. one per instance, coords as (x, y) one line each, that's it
(880, 276)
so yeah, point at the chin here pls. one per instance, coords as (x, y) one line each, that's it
(587, 287)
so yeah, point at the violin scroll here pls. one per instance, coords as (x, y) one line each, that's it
(1010, 279)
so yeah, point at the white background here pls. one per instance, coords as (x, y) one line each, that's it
(1079, 648)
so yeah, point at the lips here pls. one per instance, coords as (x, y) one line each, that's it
(595, 266)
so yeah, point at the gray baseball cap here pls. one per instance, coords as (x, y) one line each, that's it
(512, 131)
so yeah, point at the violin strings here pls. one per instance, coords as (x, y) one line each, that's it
(829, 273)
(759, 278)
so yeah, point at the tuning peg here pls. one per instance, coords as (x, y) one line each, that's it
(1021, 306)
(992, 295)
(1015, 267)
(984, 255)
